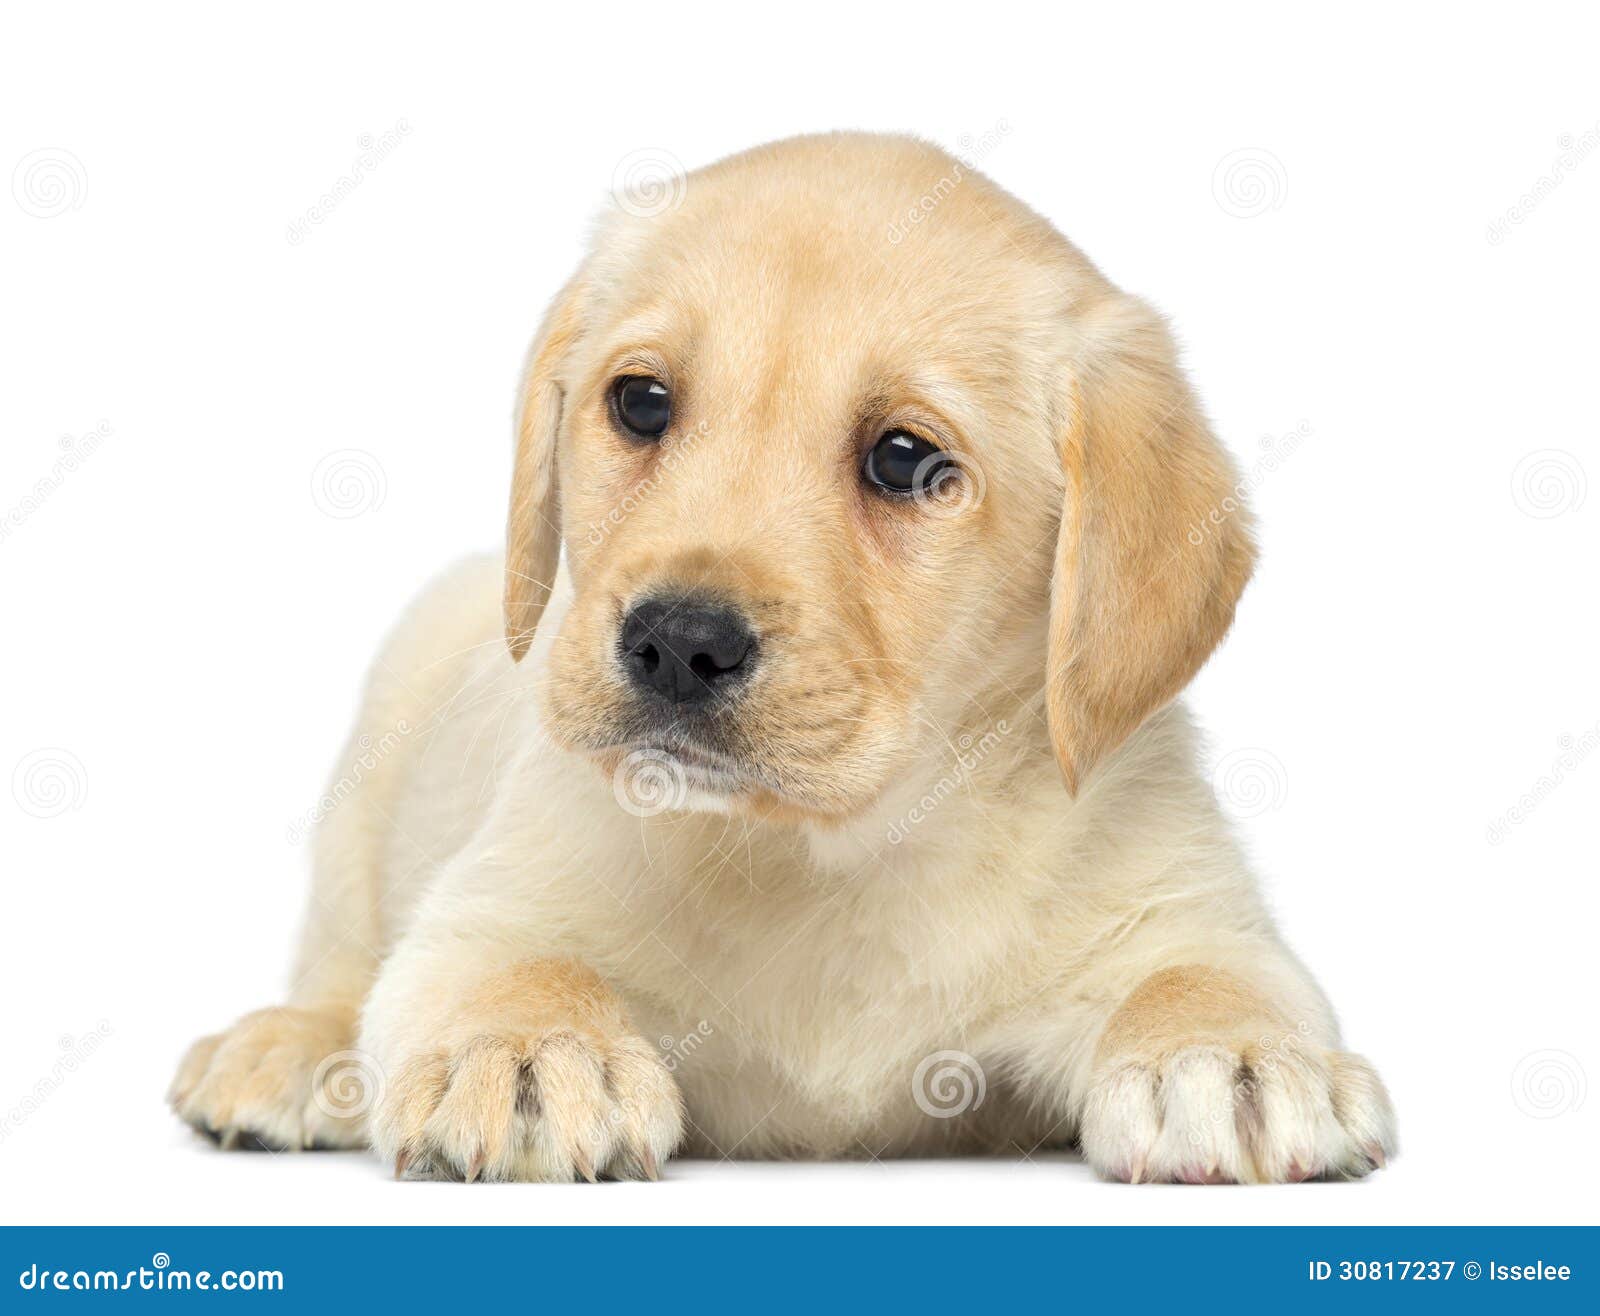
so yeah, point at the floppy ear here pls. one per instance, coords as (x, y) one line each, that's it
(1154, 548)
(533, 530)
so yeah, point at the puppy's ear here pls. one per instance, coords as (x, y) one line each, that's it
(1154, 548)
(533, 530)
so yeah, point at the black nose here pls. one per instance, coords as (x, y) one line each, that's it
(686, 650)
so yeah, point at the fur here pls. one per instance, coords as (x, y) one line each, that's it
(960, 885)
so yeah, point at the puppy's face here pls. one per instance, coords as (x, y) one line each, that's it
(810, 469)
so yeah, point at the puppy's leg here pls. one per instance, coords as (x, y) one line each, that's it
(528, 1071)
(1200, 1076)
(290, 1076)
(1199, 1073)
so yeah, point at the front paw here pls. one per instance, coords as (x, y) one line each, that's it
(1267, 1111)
(553, 1107)
(282, 1078)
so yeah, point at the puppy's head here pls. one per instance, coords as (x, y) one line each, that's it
(843, 446)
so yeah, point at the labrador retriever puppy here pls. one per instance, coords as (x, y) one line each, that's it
(806, 779)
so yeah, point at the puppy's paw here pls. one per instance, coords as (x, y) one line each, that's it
(282, 1078)
(556, 1106)
(1253, 1113)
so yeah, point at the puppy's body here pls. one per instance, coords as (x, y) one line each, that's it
(878, 924)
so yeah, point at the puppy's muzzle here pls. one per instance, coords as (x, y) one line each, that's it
(686, 652)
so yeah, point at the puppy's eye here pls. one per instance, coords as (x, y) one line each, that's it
(904, 464)
(643, 405)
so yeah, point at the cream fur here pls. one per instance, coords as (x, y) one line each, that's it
(550, 986)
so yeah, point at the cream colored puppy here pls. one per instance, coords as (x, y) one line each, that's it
(837, 804)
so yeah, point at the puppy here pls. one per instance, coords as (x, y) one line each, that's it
(826, 796)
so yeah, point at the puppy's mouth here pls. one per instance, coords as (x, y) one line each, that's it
(705, 768)
(656, 765)
(656, 773)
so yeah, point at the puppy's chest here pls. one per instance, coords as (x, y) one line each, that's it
(833, 993)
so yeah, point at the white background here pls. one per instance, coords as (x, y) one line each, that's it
(1323, 206)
